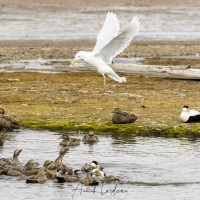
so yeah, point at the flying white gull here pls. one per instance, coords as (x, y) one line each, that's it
(110, 42)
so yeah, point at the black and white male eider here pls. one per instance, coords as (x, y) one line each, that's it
(188, 116)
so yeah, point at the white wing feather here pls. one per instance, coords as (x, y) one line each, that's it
(120, 42)
(109, 30)
(193, 112)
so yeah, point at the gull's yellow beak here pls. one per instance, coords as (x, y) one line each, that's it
(74, 61)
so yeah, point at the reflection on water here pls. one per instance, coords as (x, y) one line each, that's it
(151, 168)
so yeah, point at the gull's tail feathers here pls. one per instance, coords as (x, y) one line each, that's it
(117, 78)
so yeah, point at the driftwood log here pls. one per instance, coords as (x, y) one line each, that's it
(179, 72)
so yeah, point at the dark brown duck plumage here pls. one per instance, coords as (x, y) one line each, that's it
(90, 138)
(12, 167)
(120, 117)
(56, 165)
(111, 178)
(68, 176)
(7, 123)
(9, 161)
(89, 180)
(31, 168)
(69, 141)
(39, 178)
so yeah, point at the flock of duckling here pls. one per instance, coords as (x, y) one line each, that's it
(89, 174)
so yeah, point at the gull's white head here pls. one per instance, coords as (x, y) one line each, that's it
(79, 56)
(185, 108)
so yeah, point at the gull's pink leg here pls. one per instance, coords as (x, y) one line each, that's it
(104, 78)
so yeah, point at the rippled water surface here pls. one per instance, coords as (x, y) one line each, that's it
(152, 168)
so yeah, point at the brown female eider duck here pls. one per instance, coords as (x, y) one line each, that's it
(7, 123)
(120, 117)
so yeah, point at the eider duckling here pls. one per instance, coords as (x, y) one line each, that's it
(70, 176)
(89, 180)
(39, 178)
(56, 165)
(120, 117)
(188, 116)
(12, 167)
(90, 138)
(69, 141)
(31, 168)
(111, 178)
(13, 170)
(13, 161)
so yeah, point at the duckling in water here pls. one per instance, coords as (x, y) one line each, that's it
(13, 167)
(111, 178)
(47, 163)
(64, 169)
(13, 161)
(13, 170)
(68, 141)
(120, 117)
(31, 164)
(7, 123)
(90, 138)
(56, 165)
(89, 180)
(67, 177)
(31, 168)
(39, 178)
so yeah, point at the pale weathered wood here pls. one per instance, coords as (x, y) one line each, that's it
(179, 72)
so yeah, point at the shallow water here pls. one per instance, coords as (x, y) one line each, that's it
(63, 65)
(54, 65)
(152, 168)
(157, 22)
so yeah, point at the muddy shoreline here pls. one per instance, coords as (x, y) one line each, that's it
(66, 49)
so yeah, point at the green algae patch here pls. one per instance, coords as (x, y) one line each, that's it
(76, 101)
(124, 129)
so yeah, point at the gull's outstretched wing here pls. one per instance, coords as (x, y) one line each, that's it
(109, 30)
(120, 42)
